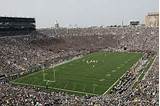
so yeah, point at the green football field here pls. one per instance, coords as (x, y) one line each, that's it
(92, 74)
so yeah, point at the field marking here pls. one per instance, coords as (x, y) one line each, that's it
(49, 81)
(66, 61)
(107, 75)
(56, 70)
(114, 83)
(118, 67)
(149, 68)
(58, 64)
(53, 88)
(134, 65)
(102, 80)
(114, 71)
(137, 79)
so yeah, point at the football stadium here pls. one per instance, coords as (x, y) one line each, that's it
(78, 66)
(64, 66)
(71, 65)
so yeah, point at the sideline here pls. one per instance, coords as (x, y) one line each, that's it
(149, 68)
(134, 65)
(17, 83)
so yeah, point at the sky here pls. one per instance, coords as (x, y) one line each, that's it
(81, 13)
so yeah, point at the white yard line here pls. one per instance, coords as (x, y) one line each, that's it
(120, 77)
(67, 61)
(64, 62)
(75, 58)
(149, 68)
(144, 70)
(53, 88)
(49, 81)
(140, 75)
(114, 83)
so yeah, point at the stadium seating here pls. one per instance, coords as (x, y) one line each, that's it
(26, 54)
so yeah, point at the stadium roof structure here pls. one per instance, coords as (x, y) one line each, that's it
(16, 19)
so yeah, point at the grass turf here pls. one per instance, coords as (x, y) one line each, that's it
(94, 73)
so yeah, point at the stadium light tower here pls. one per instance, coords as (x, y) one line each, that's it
(123, 22)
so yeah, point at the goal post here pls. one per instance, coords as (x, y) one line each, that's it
(43, 74)
(47, 79)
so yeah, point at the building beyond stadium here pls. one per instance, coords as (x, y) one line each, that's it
(152, 19)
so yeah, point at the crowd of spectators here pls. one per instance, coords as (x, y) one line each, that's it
(25, 54)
